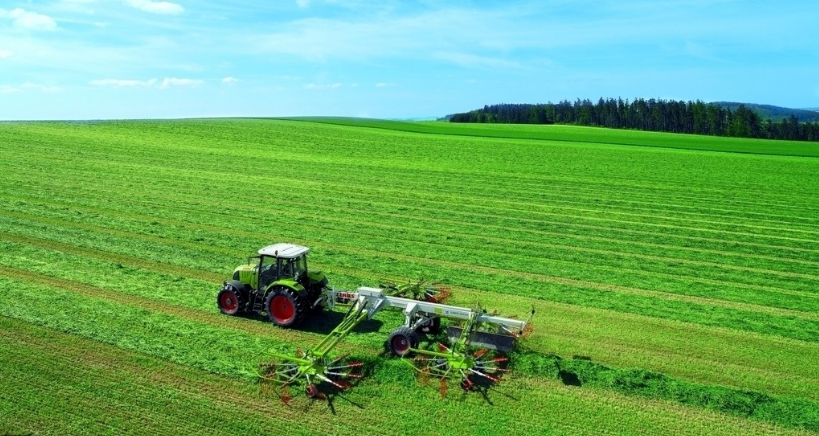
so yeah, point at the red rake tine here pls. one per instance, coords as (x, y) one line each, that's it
(493, 360)
(489, 377)
(480, 353)
(350, 365)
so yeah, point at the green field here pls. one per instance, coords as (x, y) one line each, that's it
(675, 276)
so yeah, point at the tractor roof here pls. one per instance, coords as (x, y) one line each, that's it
(287, 251)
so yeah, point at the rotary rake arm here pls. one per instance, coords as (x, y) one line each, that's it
(481, 367)
(314, 366)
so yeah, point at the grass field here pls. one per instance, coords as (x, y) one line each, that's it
(676, 276)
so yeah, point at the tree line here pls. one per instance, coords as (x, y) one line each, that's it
(694, 117)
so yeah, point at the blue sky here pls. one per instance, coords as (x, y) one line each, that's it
(99, 59)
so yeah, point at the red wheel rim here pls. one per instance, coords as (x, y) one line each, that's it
(228, 302)
(282, 309)
(400, 344)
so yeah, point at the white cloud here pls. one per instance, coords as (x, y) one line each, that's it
(162, 8)
(131, 83)
(322, 86)
(381, 85)
(124, 83)
(29, 20)
(173, 81)
(8, 89)
(229, 80)
(303, 3)
(5, 54)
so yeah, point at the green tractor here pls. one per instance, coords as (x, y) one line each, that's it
(276, 282)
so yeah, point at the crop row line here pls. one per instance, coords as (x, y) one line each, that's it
(578, 212)
(568, 233)
(572, 199)
(404, 218)
(223, 149)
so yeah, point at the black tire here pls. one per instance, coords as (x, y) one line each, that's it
(401, 340)
(230, 301)
(285, 307)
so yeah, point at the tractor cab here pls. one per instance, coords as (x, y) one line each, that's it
(281, 261)
(276, 282)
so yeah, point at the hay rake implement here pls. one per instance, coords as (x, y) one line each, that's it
(471, 358)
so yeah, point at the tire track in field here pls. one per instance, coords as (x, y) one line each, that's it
(344, 189)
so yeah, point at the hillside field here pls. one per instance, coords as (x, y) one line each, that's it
(675, 277)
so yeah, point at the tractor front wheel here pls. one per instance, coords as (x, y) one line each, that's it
(401, 340)
(284, 307)
(230, 301)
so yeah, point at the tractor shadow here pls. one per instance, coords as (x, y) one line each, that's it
(326, 321)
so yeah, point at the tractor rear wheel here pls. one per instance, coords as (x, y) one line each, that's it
(285, 307)
(401, 340)
(230, 301)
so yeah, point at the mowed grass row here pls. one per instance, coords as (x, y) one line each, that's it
(379, 200)
(138, 326)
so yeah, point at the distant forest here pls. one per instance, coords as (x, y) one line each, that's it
(694, 117)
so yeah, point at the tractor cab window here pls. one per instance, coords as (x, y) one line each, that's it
(286, 267)
(268, 271)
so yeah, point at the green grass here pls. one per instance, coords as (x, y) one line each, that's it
(688, 277)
